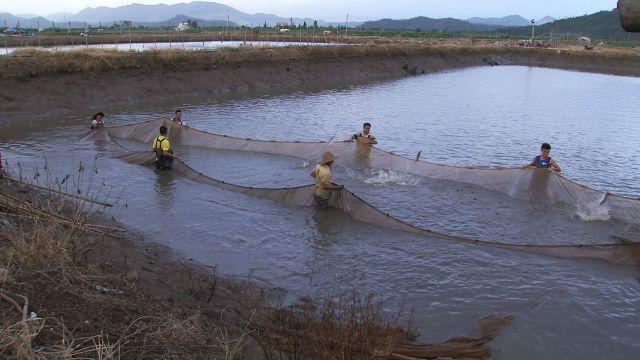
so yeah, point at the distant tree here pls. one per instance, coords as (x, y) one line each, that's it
(304, 25)
(265, 25)
(315, 24)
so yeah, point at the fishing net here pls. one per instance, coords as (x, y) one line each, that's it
(539, 186)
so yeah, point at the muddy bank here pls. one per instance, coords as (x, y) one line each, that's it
(96, 292)
(78, 83)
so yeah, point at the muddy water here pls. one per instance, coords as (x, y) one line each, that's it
(487, 116)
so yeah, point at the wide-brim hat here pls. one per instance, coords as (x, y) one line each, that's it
(328, 157)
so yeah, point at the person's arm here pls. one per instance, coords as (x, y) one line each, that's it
(168, 154)
(354, 137)
(554, 166)
(373, 141)
(94, 124)
(165, 150)
(328, 185)
(530, 164)
(331, 186)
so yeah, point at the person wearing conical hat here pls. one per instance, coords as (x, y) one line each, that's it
(322, 174)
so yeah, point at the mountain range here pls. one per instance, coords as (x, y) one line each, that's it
(455, 25)
(604, 24)
(207, 13)
(8, 20)
(601, 25)
(428, 24)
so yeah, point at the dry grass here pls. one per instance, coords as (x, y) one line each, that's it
(54, 306)
(347, 326)
(28, 64)
(173, 37)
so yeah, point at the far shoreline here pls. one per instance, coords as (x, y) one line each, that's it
(76, 83)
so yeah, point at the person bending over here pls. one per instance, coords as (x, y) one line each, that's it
(322, 174)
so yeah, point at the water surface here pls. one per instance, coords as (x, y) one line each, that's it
(480, 116)
(184, 45)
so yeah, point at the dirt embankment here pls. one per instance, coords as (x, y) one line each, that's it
(74, 83)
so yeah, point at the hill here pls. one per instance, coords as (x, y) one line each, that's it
(545, 20)
(511, 20)
(12, 21)
(601, 25)
(428, 24)
(210, 11)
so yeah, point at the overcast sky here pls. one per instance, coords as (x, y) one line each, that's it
(357, 9)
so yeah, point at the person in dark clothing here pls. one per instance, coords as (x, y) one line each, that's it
(544, 161)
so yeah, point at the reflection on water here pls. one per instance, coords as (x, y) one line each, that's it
(565, 308)
(189, 45)
(166, 182)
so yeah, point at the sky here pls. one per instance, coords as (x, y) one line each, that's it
(358, 10)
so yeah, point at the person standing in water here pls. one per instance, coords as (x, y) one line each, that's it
(365, 137)
(322, 174)
(97, 121)
(544, 161)
(162, 147)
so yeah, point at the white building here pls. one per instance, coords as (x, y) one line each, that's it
(182, 26)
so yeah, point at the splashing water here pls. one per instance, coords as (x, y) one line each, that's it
(593, 213)
(380, 177)
(597, 211)
(333, 139)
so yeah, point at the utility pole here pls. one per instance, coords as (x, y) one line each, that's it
(6, 42)
(346, 26)
(533, 31)
(69, 33)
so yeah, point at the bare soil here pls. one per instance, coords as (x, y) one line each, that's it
(29, 88)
